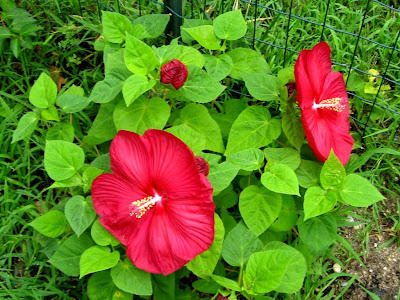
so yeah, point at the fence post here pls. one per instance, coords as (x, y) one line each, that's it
(173, 28)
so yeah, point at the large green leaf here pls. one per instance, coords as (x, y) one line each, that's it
(308, 173)
(286, 156)
(103, 128)
(293, 129)
(79, 213)
(226, 282)
(281, 179)
(115, 26)
(51, 113)
(230, 25)
(61, 131)
(253, 128)
(200, 86)
(218, 67)
(62, 159)
(248, 159)
(143, 114)
(221, 175)
(43, 92)
(225, 119)
(239, 244)
(189, 23)
(51, 224)
(195, 140)
(203, 265)
(358, 191)
(131, 279)
(262, 86)
(102, 236)
(205, 36)
(186, 55)
(154, 24)
(101, 287)
(106, 90)
(259, 208)
(278, 268)
(164, 286)
(26, 126)
(139, 57)
(318, 201)
(96, 259)
(72, 103)
(135, 86)
(246, 60)
(332, 173)
(287, 216)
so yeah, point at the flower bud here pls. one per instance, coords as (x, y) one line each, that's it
(175, 73)
(202, 165)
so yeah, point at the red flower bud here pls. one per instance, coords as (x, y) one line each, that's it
(175, 73)
(202, 165)
(221, 297)
(291, 87)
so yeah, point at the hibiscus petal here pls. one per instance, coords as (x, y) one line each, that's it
(130, 160)
(305, 94)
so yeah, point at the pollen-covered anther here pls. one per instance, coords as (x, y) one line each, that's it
(140, 207)
(333, 104)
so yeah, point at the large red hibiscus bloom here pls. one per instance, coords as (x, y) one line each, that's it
(156, 202)
(324, 105)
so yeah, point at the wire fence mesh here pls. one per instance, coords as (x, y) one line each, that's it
(363, 35)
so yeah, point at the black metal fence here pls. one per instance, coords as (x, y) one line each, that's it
(365, 45)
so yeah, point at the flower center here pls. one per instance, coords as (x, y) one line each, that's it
(333, 104)
(140, 207)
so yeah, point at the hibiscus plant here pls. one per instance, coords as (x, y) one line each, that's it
(184, 183)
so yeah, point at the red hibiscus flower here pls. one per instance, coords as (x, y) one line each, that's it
(175, 73)
(324, 105)
(156, 202)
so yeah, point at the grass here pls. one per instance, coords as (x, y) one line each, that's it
(65, 46)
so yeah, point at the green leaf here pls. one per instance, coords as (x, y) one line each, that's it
(131, 279)
(293, 129)
(259, 208)
(230, 25)
(72, 103)
(189, 23)
(206, 286)
(203, 265)
(286, 156)
(62, 159)
(227, 198)
(287, 216)
(253, 128)
(70, 182)
(221, 175)
(106, 90)
(308, 173)
(186, 55)
(286, 75)
(26, 126)
(164, 286)
(317, 201)
(79, 213)
(51, 224)
(332, 173)
(15, 46)
(143, 114)
(197, 117)
(358, 191)
(247, 61)
(135, 86)
(101, 287)
(262, 86)
(114, 63)
(318, 233)
(239, 244)
(43, 92)
(75, 90)
(115, 26)
(195, 140)
(154, 24)
(103, 128)
(67, 256)
(281, 179)
(102, 236)
(227, 283)
(88, 176)
(218, 67)
(4, 33)
(279, 267)
(205, 36)
(62, 131)
(139, 57)
(248, 159)
(200, 86)
(51, 113)
(96, 259)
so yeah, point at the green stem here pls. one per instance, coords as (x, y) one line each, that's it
(240, 280)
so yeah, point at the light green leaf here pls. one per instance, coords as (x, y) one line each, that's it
(287, 216)
(103, 128)
(115, 26)
(317, 201)
(186, 55)
(70, 182)
(200, 86)
(62, 131)
(143, 114)
(70, 103)
(286, 156)
(101, 287)
(358, 191)
(26, 126)
(139, 57)
(106, 90)
(131, 279)
(205, 36)
(51, 224)
(79, 213)
(189, 23)
(227, 283)
(246, 60)
(88, 176)
(96, 259)
(43, 92)
(248, 159)
(62, 159)
(218, 67)
(203, 265)
(230, 25)
(102, 236)
(281, 179)
(262, 86)
(253, 128)
(221, 175)
(227, 198)
(195, 140)
(332, 173)
(293, 129)
(75, 90)
(308, 173)
(154, 24)
(51, 113)
(135, 86)
(259, 208)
